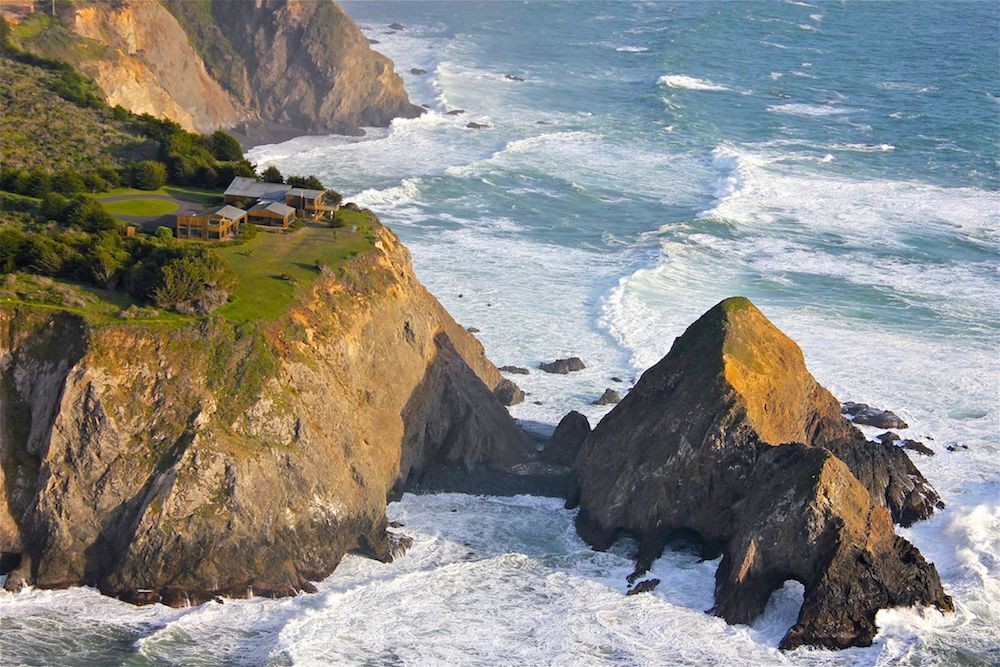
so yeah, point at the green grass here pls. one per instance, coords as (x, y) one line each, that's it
(261, 263)
(141, 207)
(96, 305)
(183, 192)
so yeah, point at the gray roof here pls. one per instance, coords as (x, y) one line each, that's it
(304, 192)
(251, 188)
(273, 207)
(230, 212)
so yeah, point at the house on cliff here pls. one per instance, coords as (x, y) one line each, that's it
(307, 204)
(220, 223)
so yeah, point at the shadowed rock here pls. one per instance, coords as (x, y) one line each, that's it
(609, 397)
(564, 445)
(730, 439)
(563, 366)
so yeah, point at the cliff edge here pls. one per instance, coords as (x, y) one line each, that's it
(175, 462)
(730, 440)
(268, 68)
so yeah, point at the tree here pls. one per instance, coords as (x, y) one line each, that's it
(334, 197)
(89, 215)
(39, 184)
(148, 175)
(54, 207)
(310, 182)
(67, 182)
(224, 147)
(272, 175)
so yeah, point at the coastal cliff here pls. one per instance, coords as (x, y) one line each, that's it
(729, 441)
(177, 462)
(264, 67)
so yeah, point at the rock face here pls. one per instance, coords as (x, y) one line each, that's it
(266, 67)
(730, 441)
(564, 445)
(217, 459)
(563, 366)
(609, 397)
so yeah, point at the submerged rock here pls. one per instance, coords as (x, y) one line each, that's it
(862, 413)
(564, 445)
(513, 77)
(563, 366)
(473, 125)
(609, 397)
(417, 71)
(644, 586)
(729, 439)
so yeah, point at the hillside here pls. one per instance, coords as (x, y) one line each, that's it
(39, 129)
(284, 66)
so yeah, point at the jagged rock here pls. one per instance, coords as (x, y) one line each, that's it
(564, 445)
(730, 440)
(472, 330)
(887, 438)
(473, 125)
(917, 446)
(512, 77)
(562, 366)
(516, 370)
(455, 112)
(204, 461)
(609, 397)
(644, 586)
(862, 413)
(417, 71)
(616, 379)
(508, 393)
(956, 448)
(397, 26)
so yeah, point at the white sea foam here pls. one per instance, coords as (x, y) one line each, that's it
(632, 49)
(799, 109)
(689, 82)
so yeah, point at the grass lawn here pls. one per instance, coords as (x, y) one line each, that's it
(261, 263)
(141, 207)
(97, 305)
(184, 192)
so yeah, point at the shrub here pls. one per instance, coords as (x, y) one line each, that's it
(67, 182)
(148, 175)
(38, 184)
(164, 234)
(224, 147)
(55, 207)
(89, 215)
(310, 182)
(272, 175)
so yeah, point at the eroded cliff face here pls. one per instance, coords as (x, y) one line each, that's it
(280, 66)
(310, 68)
(149, 66)
(730, 440)
(178, 464)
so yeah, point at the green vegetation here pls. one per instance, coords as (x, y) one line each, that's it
(140, 207)
(272, 266)
(203, 196)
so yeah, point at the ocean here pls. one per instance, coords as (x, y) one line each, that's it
(837, 163)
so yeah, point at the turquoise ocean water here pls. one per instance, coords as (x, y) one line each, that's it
(835, 162)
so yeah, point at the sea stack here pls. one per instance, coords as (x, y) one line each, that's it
(730, 440)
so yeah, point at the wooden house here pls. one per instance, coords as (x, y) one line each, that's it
(310, 204)
(250, 190)
(220, 223)
(274, 214)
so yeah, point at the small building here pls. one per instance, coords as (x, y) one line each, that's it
(274, 214)
(308, 203)
(221, 223)
(244, 189)
(127, 231)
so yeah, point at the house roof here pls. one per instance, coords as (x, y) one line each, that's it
(229, 212)
(304, 192)
(251, 188)
(273, 207)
